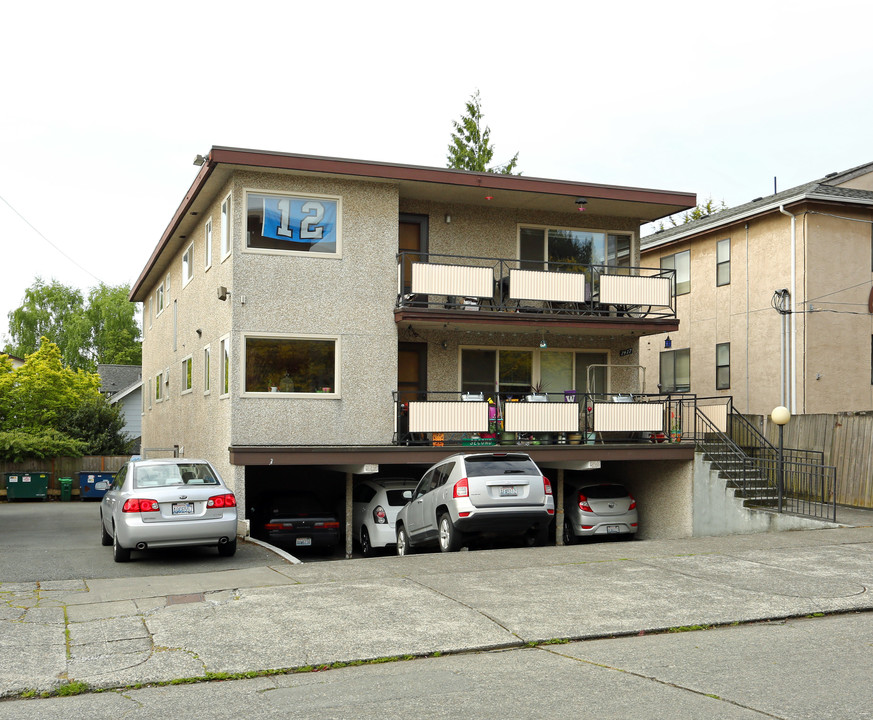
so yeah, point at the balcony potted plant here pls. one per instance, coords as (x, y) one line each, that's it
(537, 393)
(675, 428)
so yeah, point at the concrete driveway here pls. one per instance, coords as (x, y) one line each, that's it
(61, 541)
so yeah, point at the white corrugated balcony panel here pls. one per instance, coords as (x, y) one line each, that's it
(460, 280)
(447, 417)
(628, 417)
(551, 286)
(635, 290)
(541, 417)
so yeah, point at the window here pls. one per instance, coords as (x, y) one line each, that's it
(224, 369)
(188, 265)
(206, 366)
(676, 371)
(304, 224)
(150, 393)
(723, 262)
(537, 246)
(207, 244)
(515, 371)
(159, 300)
(291, 365)
(159, 383)
(681, 264)
(187, 384)
(722, 366)
(225, 227)
(150, 312)
(167, 289)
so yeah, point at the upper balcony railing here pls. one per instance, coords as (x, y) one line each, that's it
(429, 280)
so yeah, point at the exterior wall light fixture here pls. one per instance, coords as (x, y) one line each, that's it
(668, 343)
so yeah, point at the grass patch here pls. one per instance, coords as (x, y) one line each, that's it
(72, 688)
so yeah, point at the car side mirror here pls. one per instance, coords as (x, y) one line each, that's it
(407, 494)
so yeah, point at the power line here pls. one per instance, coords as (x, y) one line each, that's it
(32, 227)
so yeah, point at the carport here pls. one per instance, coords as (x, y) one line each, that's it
(659, 475)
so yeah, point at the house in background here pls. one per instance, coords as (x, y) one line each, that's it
(774, 300)
(308, 320)
(123, 384)
(17, 362)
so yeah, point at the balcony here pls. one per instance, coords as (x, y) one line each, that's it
(568, 418)
(484, 291)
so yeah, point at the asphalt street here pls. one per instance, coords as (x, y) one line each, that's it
(769, 625)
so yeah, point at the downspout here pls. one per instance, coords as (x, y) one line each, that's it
(793, 360)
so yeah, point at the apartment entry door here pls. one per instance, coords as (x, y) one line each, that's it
(411, 381)
(412, 237)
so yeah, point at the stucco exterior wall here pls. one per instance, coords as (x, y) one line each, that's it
(663, 495)
(832, 349)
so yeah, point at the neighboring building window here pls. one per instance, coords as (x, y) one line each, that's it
(538, 245)
(207, 244)
(676, 371)
(167, 289)
(159, 300)
(187, 368)
(722, 366)
(175, 325)
(159, 383)
(723, 262)
(150, 393)
(206, 366)
(224, 370)
(188, 265)
(297, 224)
(225, 227)
(291, 365)
(680, 263)
(149, 313)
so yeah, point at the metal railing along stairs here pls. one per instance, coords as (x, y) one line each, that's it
(795, 481)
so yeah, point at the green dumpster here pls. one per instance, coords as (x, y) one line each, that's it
(66, 489)
(27, 485)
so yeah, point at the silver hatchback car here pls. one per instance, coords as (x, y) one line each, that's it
(167, 503)
(599, 509)
(464, 495)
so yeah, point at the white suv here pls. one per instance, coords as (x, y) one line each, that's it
(488, 493)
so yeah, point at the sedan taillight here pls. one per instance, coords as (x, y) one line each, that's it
(220, 501)
(461, 489)
(547, 486)
(379, 515)
(132, 505)
(583, 504)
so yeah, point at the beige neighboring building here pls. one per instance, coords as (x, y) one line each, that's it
(310, 320)
(774, 300)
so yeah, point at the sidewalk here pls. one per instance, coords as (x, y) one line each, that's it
(114, 633)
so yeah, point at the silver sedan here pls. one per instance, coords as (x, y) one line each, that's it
(168, 503)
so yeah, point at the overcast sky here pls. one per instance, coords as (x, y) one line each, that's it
(105, 105)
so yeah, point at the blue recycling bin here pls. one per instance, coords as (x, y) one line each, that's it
(93, 485)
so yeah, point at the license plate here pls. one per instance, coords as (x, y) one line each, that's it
(183, 508)
(613, 528)
(304, 542)
(509, 491)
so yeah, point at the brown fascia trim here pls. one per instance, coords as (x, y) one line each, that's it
(391, 171)
(428, 455)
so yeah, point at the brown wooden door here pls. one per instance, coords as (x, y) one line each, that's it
(411, 384)
(412, 236)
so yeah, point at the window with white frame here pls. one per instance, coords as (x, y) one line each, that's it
(224, 365)
(206, 369)
(207, 244)
(298, 224)
(722, 366)
(302, 365)
(675, 375)
(680, 263)
(187, 374)
(723, 262)
(159, 300)
(159, 384)
(167, 289)
(188, 265)
(225, 227)
(515, 373)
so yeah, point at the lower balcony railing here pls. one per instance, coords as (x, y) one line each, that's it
(567, 418)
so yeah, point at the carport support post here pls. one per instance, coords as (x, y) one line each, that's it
(349, 519)
(559, 509)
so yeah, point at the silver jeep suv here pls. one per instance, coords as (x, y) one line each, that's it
(464, 495)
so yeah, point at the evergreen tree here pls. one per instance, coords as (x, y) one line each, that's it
(470, 147)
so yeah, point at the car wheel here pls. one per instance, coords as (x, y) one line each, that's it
(569, 537)
(119, 554)
(450, 538)
(105, 537)
(228, 549)
(403, 545)
(366, 548)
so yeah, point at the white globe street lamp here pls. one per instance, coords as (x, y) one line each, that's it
(780, 415)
